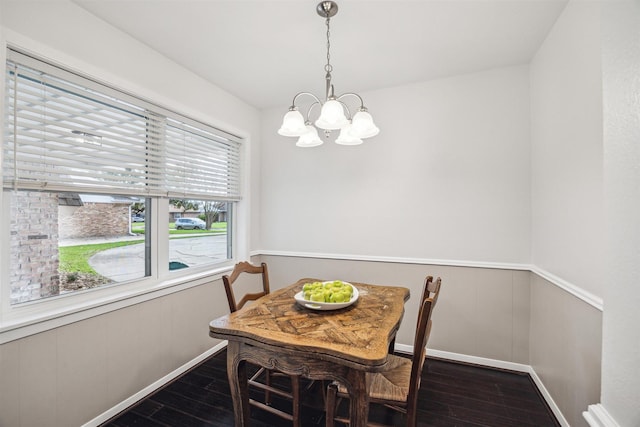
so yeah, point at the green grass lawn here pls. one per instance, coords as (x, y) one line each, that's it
(75, 259)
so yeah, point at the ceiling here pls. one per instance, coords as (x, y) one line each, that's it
(264, 52)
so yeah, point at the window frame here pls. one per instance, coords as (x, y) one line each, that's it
(35, 316)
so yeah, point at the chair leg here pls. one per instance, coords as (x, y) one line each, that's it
(297, 402)
(392, 346)
(332, 392)
(267, 381)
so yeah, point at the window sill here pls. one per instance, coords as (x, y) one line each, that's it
(31, 318)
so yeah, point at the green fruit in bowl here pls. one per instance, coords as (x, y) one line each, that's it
(340, 297)
(336, 291)
(311, 286)
(317, 297)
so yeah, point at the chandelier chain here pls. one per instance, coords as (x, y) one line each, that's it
(328, 68)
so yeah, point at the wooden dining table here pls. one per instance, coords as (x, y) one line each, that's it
(278, 333)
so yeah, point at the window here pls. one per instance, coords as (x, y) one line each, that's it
(68, 242)
(87, 170)
(199, 235)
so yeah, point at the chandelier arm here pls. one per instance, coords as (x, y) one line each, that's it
(362, 107)
(293, 104)
(346, 107)
(307, 121)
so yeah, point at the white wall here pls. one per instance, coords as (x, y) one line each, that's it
(621, 344)
(566, 150)
(446, 178)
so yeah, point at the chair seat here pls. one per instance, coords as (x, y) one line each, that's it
(392, 384)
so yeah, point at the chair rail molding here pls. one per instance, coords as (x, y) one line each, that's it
(598, 416)
(575, 290)
(397, 260)
(572, 288)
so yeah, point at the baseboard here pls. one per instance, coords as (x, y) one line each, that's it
(547, 397)
(122, 406)
(501, 364)
(598, 416)
(492, 363)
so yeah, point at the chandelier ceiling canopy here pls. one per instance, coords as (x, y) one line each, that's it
(334, 112)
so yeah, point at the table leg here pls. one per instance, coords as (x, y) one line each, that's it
(237, 374)
(359, 398)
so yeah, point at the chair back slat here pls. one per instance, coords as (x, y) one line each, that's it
(428, 281)
(229, 280)
(434, 290)
(431, 289)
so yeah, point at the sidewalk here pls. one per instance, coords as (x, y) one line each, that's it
(128, 262)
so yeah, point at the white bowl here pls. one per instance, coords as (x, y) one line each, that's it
(314, 305)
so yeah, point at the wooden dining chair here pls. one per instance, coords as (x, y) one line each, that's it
(431, 290)
(262, 379)
(398, 384)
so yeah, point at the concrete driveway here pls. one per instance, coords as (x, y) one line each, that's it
(127, 262)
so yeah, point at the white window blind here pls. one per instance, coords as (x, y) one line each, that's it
(65, 132)
(199, 163)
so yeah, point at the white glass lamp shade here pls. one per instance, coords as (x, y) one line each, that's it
(292, 124)
(347, 138)
(332, 116)
(362, 125)
(310, 138)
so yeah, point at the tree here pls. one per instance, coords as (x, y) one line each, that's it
(137, 208)
(185, 205)
(211, 212)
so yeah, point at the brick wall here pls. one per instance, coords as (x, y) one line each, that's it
(34, 245)
(94, 220)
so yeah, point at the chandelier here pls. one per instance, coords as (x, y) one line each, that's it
(334, 113)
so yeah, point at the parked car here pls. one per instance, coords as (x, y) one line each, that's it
(190, 224)
(137, 218)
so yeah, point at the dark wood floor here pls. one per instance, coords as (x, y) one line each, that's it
(452, 394)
